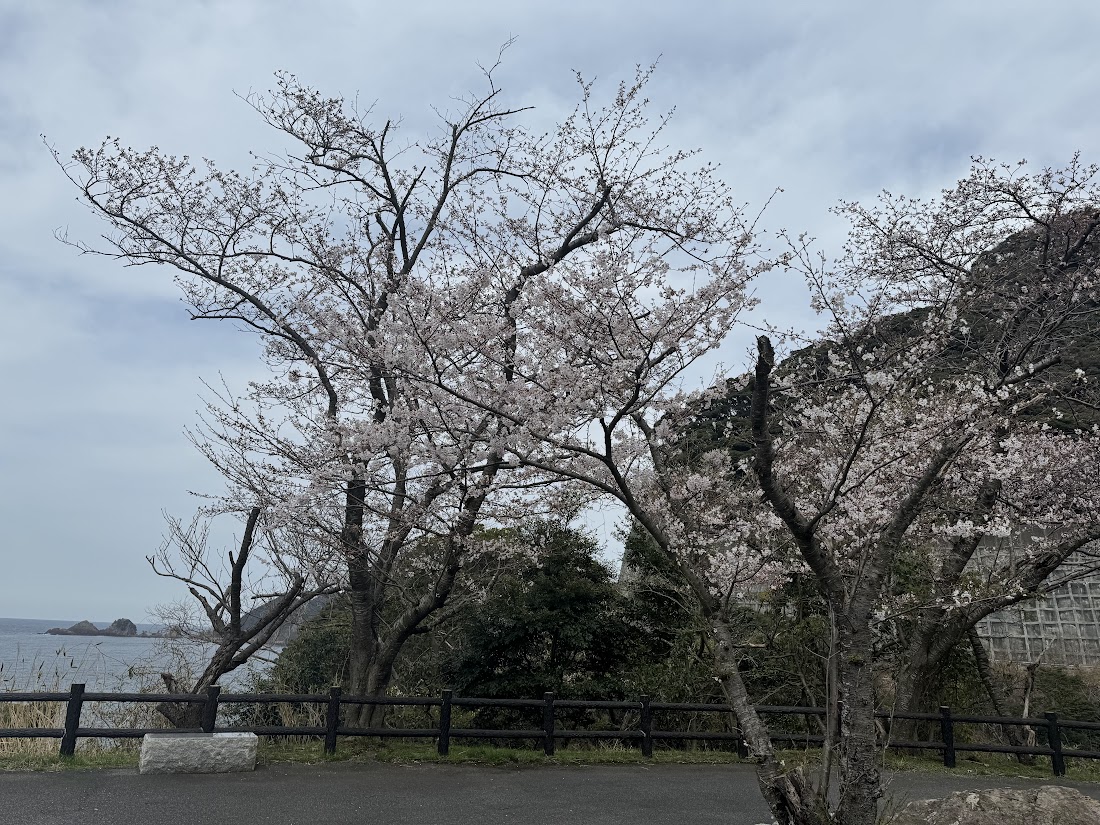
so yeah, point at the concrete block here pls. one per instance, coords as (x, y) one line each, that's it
(197, 752)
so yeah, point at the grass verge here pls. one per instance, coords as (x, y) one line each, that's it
(997, 764)
(986, 764)
(414, 753)
(358, 750)
(41, 761)
(417, 753)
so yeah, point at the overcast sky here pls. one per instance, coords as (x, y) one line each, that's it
(102, 368)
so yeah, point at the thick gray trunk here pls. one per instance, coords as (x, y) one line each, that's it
(375, 684)
(860, 776)
(363, 678)
(365, 641)
(374, 649)
(985, 674)
(791, 798)
(913, 693)
(181, 716)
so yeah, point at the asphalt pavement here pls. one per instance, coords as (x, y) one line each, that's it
(343, 793)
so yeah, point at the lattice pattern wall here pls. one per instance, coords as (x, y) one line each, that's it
(1065, 624)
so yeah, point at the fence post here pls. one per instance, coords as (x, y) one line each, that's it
(1054, 738)
(210, 708)
(72, 719)
(332, 719)
(443, 744)
(647, 728)
(947, 733)
(548, 723)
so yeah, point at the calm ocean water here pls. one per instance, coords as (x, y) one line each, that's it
(32, 660)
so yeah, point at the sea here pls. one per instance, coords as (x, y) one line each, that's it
(32, 660)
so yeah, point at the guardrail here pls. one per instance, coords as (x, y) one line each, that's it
(548, 733)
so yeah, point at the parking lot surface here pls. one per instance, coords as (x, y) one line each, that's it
(344, 793)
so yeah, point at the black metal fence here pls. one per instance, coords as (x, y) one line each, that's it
(645, 734)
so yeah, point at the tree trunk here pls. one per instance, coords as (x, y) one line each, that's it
(371, 665)
(791, 798)
(364, 598)
(832, 709)
(933, 642)
(860, 781)
(180, 715)
(373, 653)
(913, 693)
(985, 673)
(365, 642)
(376, 683)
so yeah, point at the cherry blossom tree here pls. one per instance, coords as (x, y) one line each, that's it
(911, 425)
(352, 258)
(602, 347)
(308, 252)
(987, 568)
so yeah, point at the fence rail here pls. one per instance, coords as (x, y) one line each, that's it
(548, 734)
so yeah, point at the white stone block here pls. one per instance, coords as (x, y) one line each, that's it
(197, 752)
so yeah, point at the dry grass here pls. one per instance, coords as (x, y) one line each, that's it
(42, 677)
(30, 715)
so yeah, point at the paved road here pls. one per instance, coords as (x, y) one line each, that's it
(346, 793)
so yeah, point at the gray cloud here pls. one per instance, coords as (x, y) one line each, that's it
(101, 368)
